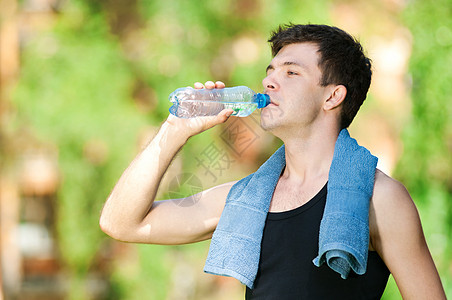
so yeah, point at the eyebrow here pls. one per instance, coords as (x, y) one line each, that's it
(287, 63)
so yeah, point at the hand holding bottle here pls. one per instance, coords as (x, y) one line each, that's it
(190, 103)
(187, 127)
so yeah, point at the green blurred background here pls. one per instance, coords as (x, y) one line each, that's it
(84, 85)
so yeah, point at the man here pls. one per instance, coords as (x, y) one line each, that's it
(317, 81)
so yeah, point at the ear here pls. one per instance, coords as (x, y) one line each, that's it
(336, 97)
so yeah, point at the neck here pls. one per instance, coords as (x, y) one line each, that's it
(309, 155)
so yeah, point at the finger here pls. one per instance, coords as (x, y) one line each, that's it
(210, 85)
(220, 85)
(224, 115)
(198, 85)
(171, 119)
(227, 112)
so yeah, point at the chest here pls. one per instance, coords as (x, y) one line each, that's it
(289, 243)
(288, 196)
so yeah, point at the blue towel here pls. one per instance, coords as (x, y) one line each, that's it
(344, 230)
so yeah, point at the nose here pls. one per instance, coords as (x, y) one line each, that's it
(269, 83)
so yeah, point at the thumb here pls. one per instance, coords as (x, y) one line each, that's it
(222, 117)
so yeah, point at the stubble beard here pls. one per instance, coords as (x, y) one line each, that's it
(267, 126)
(269, 122)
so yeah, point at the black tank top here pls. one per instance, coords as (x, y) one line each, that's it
(286, 271)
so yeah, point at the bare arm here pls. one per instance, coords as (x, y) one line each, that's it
(397, 235)
(130, 213)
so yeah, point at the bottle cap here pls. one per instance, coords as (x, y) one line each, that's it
(262, 100)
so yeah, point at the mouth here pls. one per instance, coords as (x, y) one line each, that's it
(273, 103)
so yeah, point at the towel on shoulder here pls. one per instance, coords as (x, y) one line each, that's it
(344, 229)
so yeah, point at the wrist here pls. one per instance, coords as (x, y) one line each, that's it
(171, 134)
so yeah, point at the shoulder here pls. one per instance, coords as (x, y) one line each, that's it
(396, 234)
(386, 187)
(392, 211)
(390, 196)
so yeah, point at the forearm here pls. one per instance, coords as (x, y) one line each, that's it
(128, 213)
(134, 193)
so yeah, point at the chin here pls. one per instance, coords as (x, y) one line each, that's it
(269, 119)
(268, 124)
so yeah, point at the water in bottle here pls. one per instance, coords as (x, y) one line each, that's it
(189, 102)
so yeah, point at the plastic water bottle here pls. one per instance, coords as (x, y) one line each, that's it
(190, 102)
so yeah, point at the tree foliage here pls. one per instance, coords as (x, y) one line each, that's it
(101, 74)
(426, 164)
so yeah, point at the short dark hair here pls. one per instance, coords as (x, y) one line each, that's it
(342, 61)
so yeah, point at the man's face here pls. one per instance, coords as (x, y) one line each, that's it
(292, 82)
